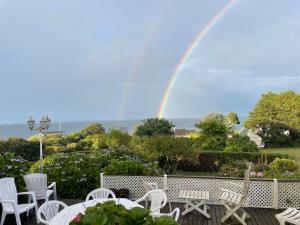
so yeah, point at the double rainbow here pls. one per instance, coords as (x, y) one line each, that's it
(181, 63)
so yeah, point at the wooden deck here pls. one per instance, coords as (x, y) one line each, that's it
(258, 217)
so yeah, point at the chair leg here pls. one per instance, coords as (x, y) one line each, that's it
(3, 217)
(18, 220)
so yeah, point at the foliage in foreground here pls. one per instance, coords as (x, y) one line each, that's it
(110, 213)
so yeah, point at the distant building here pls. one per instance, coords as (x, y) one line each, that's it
(253, 136)
(180, 132)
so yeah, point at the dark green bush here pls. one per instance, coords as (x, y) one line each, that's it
(14, 166)
(233, 168)
(131, 168)
(238, 143)
(212, 161)
(75, 174)
(26, 149)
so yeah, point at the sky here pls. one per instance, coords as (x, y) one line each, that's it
(112, 60)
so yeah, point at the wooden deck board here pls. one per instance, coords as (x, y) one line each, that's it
(258, 217)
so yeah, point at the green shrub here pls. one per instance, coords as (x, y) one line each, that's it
(25, 149)
(238, 143)
(110, 213)
(14, 166)
(54, 149)
(75, 174)
(234, 168)
(131, 168)
(282, 169)
(212, 161)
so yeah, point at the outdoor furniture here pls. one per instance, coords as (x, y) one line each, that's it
(233, 201)
(195, 200)
(102, 193)
(48, 210)
(158, 200)
(148, 186)
(37, 182)
(291, 215)
(175, 214)
(9, 200)
(65, 216)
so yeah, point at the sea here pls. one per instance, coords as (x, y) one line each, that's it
(21, 130)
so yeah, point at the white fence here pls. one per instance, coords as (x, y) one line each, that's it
(263, 193)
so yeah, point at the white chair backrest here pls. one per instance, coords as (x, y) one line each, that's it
(149, 186)
(8, 191)
(158, 200)
(37, 182)
(246, 181)
(100, 193)
(48, 210)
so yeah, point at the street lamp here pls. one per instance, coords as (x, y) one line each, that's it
(45, 123)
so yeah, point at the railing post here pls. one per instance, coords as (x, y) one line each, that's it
(165, 182)
(101, 180)
(275, 194)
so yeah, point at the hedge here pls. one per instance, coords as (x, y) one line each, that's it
(211, 161)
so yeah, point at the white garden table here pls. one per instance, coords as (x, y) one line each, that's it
(195, 200)
(65, 216)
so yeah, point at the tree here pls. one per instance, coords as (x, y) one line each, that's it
(276, 114)
(94, 128)
(213, 132)
(232, 118)
(118, 138)
(167, 149)
(238, 143)
(154, 126)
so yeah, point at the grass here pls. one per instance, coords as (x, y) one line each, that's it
(294, 153)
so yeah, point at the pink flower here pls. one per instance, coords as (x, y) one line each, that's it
(259, 174)
(77, 218)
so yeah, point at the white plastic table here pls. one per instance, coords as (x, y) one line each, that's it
(65, 216)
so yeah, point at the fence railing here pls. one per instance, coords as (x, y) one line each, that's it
(263, 193)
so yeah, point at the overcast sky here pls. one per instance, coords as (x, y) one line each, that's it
(107, 60)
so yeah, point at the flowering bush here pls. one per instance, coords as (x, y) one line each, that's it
(283, 169)
(132, 168)
(14, 166)
(109, 213)
(76, 174)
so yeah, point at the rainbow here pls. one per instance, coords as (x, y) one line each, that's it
(181, 63)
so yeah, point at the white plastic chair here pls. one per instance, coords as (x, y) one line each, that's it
(9, 200)
(101, 193)
(175, 214)
(158, 200)
(37, 182)
(290, 215)
(48, 210)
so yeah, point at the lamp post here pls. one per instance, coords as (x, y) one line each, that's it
(45, 123)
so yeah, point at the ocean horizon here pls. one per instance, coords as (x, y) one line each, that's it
(21, 129)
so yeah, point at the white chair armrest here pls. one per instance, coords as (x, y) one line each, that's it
(140, 200)
(29, 193)
(53, 185)
(11, 202)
